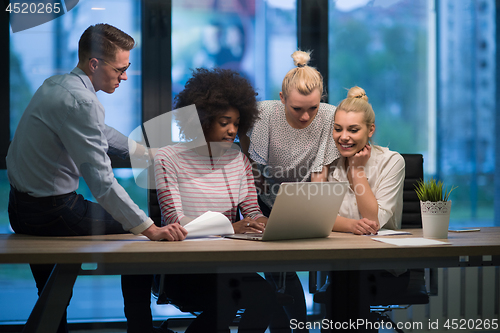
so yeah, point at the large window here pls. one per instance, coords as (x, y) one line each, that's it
(52, 48)
(255, 38)
(428, 68)
(384, 49)
(466, 107)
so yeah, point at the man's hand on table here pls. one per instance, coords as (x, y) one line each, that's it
(171, 232)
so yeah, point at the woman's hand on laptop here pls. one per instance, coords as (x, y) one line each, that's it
(248, 225)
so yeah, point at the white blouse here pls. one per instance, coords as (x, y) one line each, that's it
(288, 154)
(385, 171)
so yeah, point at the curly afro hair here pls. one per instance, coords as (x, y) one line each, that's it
(214, 91)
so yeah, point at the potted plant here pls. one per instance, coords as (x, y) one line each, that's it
(435, 207)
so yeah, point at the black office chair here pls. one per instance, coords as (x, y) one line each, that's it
(414, 171)
(417, 292)
(420, 286)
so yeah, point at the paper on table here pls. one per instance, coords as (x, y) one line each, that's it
(206, 238)
(419, 241)
(209, 224)
(388, 232)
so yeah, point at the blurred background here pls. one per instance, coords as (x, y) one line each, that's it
(429, 68)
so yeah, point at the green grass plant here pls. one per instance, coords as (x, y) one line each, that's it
(432, 190)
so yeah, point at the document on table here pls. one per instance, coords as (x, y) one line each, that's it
(411, 241)
(388, 232)
(209, 224)
(207, 238)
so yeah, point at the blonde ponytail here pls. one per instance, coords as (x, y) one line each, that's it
(304, 78)
(357, 101)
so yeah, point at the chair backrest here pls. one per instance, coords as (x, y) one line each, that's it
(414, 171)
(154, 209)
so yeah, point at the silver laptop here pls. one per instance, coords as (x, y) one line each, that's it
(302, 210)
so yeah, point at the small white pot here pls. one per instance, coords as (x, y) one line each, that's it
(435, 218)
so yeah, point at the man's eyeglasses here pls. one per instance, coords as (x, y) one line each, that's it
(118, 70)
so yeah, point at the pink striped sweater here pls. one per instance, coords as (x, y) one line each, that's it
(189, 184)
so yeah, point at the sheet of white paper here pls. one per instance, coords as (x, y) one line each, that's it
(208, 238)
(410, 241)
(209, 224)
(388, 232)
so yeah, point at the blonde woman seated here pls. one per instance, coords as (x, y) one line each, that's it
(192, 179)
(376, 174)
(374, 200)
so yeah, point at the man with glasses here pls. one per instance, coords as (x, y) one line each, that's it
(62, 136)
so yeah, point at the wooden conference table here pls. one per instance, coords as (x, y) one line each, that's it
(129, 254)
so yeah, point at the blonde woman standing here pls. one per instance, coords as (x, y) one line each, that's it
(292, 142)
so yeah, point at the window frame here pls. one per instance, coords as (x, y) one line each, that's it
(5, 92)
(497, 118)
(312, 34)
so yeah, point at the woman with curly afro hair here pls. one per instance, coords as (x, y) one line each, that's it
(214, 92)
(207, 173)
